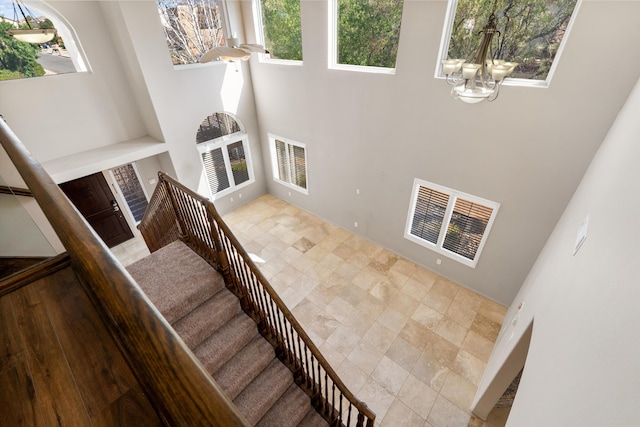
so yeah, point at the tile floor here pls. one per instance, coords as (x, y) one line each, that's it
(409, 343)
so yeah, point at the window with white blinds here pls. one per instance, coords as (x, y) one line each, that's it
(448, 221)
(289, 161)
(224, 150)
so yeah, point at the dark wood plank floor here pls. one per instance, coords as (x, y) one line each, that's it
(58, 364)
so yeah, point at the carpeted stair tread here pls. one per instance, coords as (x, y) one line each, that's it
(313, 419)
(245, 366)
(259, 396)
(207, 318)
(176, 279)
(216, 350)
(289, 410)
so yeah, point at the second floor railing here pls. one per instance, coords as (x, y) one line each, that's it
(177, 212)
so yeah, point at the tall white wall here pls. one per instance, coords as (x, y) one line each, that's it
(376, 133)
(582, 366)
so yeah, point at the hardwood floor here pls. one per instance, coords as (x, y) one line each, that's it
(58, 363)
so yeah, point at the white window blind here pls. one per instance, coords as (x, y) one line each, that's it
(289, 162)
(450, 222)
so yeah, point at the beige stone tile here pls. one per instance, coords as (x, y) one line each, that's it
(425, 277)
(397, 280)
(390, 375)
(403, 303)
(331, 261)
(358, 258)
(486, 327)
(371, 306)
(414, 333)
(451, 330)
(392, 319)
(365, 356)
(378, 266)
(377, 398)
(289, 274)
(331, 354)
(440, 349)
(290, 255)
(358, 322)
(461, 313)
(339, 309)
(366, 279)
(305, 264)
(317, 253)
(400, 415)
(323, 325)
(403, 353)
(468, 367)
(379, 337)
(405, 267)
(477, 345)
(352, 376)
(469, 298)
(458, 391)
(291, 297)
(348, 270)
(418, 396)
(497, 417)
(352, 294)
(385, 257)
(343, 340)
(303, 244)
(305, 311)
(343, 251)
(446, 288)
(415, 289)
(430, 371)
(446, 414)
(492, 311)
(329, 243)
(427, 317)
(384, 292)
(437, 301)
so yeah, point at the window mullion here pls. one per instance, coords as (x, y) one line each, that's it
(227, 164)
(446, 219)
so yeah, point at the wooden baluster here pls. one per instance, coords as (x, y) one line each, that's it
(360, 419)
(326, 393)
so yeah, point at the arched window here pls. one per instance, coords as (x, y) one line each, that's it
(224, 149)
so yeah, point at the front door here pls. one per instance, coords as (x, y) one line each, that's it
(93, 198)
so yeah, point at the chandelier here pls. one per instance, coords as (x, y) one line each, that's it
(30, 35)
(480, 79)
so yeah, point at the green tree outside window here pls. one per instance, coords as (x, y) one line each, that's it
(369, 32)
(282, 29)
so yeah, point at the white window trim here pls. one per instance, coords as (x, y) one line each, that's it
(274, 162)
(265, 57)
(333, 48)
(222, 143)
(446, 37)
(453, 195)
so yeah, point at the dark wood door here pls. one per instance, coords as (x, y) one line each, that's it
(93, 198)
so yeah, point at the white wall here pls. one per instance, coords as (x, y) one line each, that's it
(377, 133)
(582, 367)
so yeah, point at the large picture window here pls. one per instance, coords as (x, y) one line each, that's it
(289, 160)
(449, 222)
(531, 32)
(224, 150)
(365, 33)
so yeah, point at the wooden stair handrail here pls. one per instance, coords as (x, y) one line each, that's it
(358, 404)
(175, 382)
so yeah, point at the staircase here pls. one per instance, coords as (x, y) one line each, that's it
(193, 298)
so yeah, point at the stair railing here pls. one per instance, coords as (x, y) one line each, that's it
(175, 382)
(200, 226)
